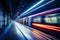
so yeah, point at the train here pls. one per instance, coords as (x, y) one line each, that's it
(47, 21)
(50, 17)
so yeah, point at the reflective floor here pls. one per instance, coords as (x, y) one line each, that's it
(17, 31)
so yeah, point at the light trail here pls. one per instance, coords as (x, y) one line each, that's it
(33, 34)
(47, 27)
(40, 35)
(24, 31)
(32, 7)
(37, 8)
(45, 12)
(19, 34)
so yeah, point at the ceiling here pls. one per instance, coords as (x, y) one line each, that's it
(10, 7)
(13, 7)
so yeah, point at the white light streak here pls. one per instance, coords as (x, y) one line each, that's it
(37, 8)
(31, 7)
(24, 30)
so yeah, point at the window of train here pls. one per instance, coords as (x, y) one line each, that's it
(47, 20)
(37, 19)
(53, 18)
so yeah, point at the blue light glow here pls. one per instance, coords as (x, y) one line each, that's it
(32, 7)
(37, 8)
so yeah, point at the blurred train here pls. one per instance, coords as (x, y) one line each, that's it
(47, 21)
(50, 17)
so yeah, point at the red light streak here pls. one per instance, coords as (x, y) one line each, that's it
(47, 27)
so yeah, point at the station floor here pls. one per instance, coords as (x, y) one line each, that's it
(17, 31)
